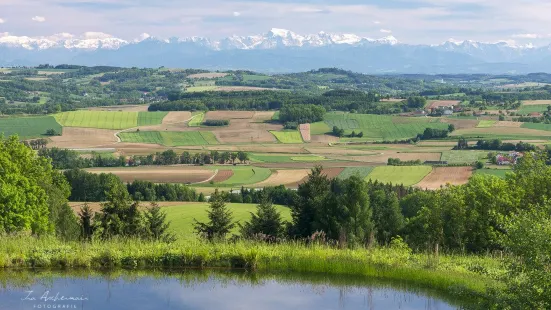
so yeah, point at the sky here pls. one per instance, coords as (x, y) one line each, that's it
(410, 21)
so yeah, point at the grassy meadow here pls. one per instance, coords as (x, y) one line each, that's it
(28, 127)
(288, 137)
(361, 172)
(406, 175)
(182, 217)
(109, 120)
(197, 120)
(463, 157)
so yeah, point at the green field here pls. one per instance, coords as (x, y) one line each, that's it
(244, 176)
(250, 77)
(538, 126)
(276, 158)
(380, 127)
(28, 127)
(197, 120)
(486, 124)
(463, 157)
(361, 172)
(275, 117)
(407, 175)
(526, 109)
(288, 137)
(501, 173)
(151, 118)
(196, 89)
(98, 119)
(182, 217)
(169, 138)
(319, 128)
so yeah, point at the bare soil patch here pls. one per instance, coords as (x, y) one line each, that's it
(461, 123)
(508, 124)
(323, 139)
(284, 177)
(229, 115)
(444, 103)
(166, 174)
(326, 165)
(176, 117)
(263, 115)
(222, 176)
(211, 75)
(446, 175)
(537, 102)
(305, 132)
(74, 137)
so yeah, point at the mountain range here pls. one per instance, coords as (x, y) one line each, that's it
(276, 51)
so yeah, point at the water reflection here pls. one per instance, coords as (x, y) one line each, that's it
(206, 290)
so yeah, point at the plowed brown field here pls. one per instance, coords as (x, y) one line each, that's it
(446, 175)
(74, 137)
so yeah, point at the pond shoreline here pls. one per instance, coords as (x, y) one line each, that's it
(463, 277)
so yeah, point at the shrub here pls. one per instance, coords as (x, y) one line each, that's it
(216, 122)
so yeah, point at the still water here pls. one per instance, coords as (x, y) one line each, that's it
(206, 290)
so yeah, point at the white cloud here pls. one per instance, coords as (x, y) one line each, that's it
(386, 31)
(236, 14)
(2, 21)
(96, 35)
(39, 19)
(531, 36)
(376, 22)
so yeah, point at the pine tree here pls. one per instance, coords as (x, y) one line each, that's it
(156, 224)
(86, 225)
(220, 219)
(266, 221)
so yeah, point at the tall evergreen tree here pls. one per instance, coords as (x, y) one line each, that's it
(220, 219)
(86, 225)
(156, 224)
(266, 221)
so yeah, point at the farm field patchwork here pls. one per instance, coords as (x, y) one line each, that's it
(288, 137)
(289, 178)
(197, 120)
(503, 133)
(486, 124)
(538, 126)
(406, 175)
(169, 138)
(463, 157)
(182, 216)
(440, 176)
(361, 172)
(150, 118)
(28, 127)
(180, 174)
(98, 119)
(500, 173)
(243, 176)
(537, 108)
(276, 158)
(380, 127)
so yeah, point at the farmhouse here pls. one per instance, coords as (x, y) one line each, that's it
(508, 159)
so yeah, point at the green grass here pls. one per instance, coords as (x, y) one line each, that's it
(319, 128)
(463, 157)
(501, 173)
(275, 117)
(181, 217)
(28, 127)
(308, 158)
(407, 175)
(250, 77)
(361, 172)
(169, 138)
(526, 109)
(288, 137)
(98, 119)
(195, 89)
(486, 124)
(380, 127)
(451, 275)
(151, 118)
(538, 126)
(197, 120)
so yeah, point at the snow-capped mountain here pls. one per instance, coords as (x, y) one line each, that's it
(277, 50)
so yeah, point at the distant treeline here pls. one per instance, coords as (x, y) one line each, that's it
(496, 145)
(69, 159)
(333, 100)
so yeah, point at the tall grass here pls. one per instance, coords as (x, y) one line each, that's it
(467, 276)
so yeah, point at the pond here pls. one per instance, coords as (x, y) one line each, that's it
(208, 290)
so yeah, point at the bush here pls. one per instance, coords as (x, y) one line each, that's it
(479, 165)
(216, 122)
(291, 125)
